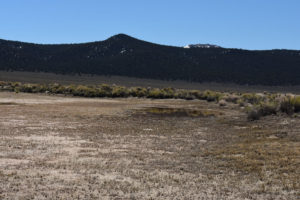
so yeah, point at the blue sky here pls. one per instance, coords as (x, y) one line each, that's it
(248, 24)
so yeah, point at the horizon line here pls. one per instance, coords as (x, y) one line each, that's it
(127, 35)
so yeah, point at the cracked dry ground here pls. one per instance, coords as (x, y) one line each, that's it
(55, 147)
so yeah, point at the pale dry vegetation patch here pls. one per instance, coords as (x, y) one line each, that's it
(271, 156)
(55, 147)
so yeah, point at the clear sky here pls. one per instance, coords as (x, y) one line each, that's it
(248, 24)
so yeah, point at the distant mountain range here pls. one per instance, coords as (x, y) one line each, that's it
(127, 56)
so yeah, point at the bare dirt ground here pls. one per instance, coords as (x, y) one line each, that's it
(54, 147)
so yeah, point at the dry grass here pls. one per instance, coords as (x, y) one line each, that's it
(269, 152)
(274, 161)
(181, 112)
(55, 147)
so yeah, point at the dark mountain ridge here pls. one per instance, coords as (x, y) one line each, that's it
(127, 56)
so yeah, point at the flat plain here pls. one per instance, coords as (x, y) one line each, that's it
(57, 147)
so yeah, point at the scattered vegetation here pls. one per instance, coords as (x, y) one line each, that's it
(263, 109)
(180, 112)
(105, 90)
(256, 105)
(265, 155)
(290, 104)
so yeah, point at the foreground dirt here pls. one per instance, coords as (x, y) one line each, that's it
(55, 147)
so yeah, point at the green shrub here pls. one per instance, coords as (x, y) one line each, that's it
(156, 93)
(196, 94)
(2, 83)
(16, 84)
(252, 98)
(138, 92)
(287, 106)
(232, 98)
(264, 109)
(296, 103)
(105, 90)
(120, 92)
(184, 94)
(85, 91)
(268, 108)
(168, 92)
(273, 97)
(211, 96)
(27, 88)
(70, 89)
(16, 89)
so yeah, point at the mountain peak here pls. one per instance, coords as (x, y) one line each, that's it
(120, 36)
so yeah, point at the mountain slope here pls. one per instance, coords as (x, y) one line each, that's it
(126, 56)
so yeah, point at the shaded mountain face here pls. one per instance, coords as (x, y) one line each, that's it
(126, 56)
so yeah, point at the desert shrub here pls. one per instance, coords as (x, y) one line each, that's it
(70, 89)
(222, 102)
(241, 102)
(232, 98)
(80, 90)
(16, 89)
(206, 95)
(196, 94)
(254, 114)
(41, 88)
(168, 92)
(252, 98)
(27, 88)
(59, 90)
(138, 92)
(211, 95)
(91, 92)
(120, 92)
(101, 93)
(296, 103)
(3, 83)
(85, 91)
(7, 88)
(290, 104)
(156, 93)
(273, 97)
(264, 109)
(105, 90)
(287, 106)
(268, 108)
(184, 94)
(189, 96)
(181, 94)
(55, 88)
(16, 84)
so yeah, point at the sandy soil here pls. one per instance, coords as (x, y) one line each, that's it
(54, 147)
